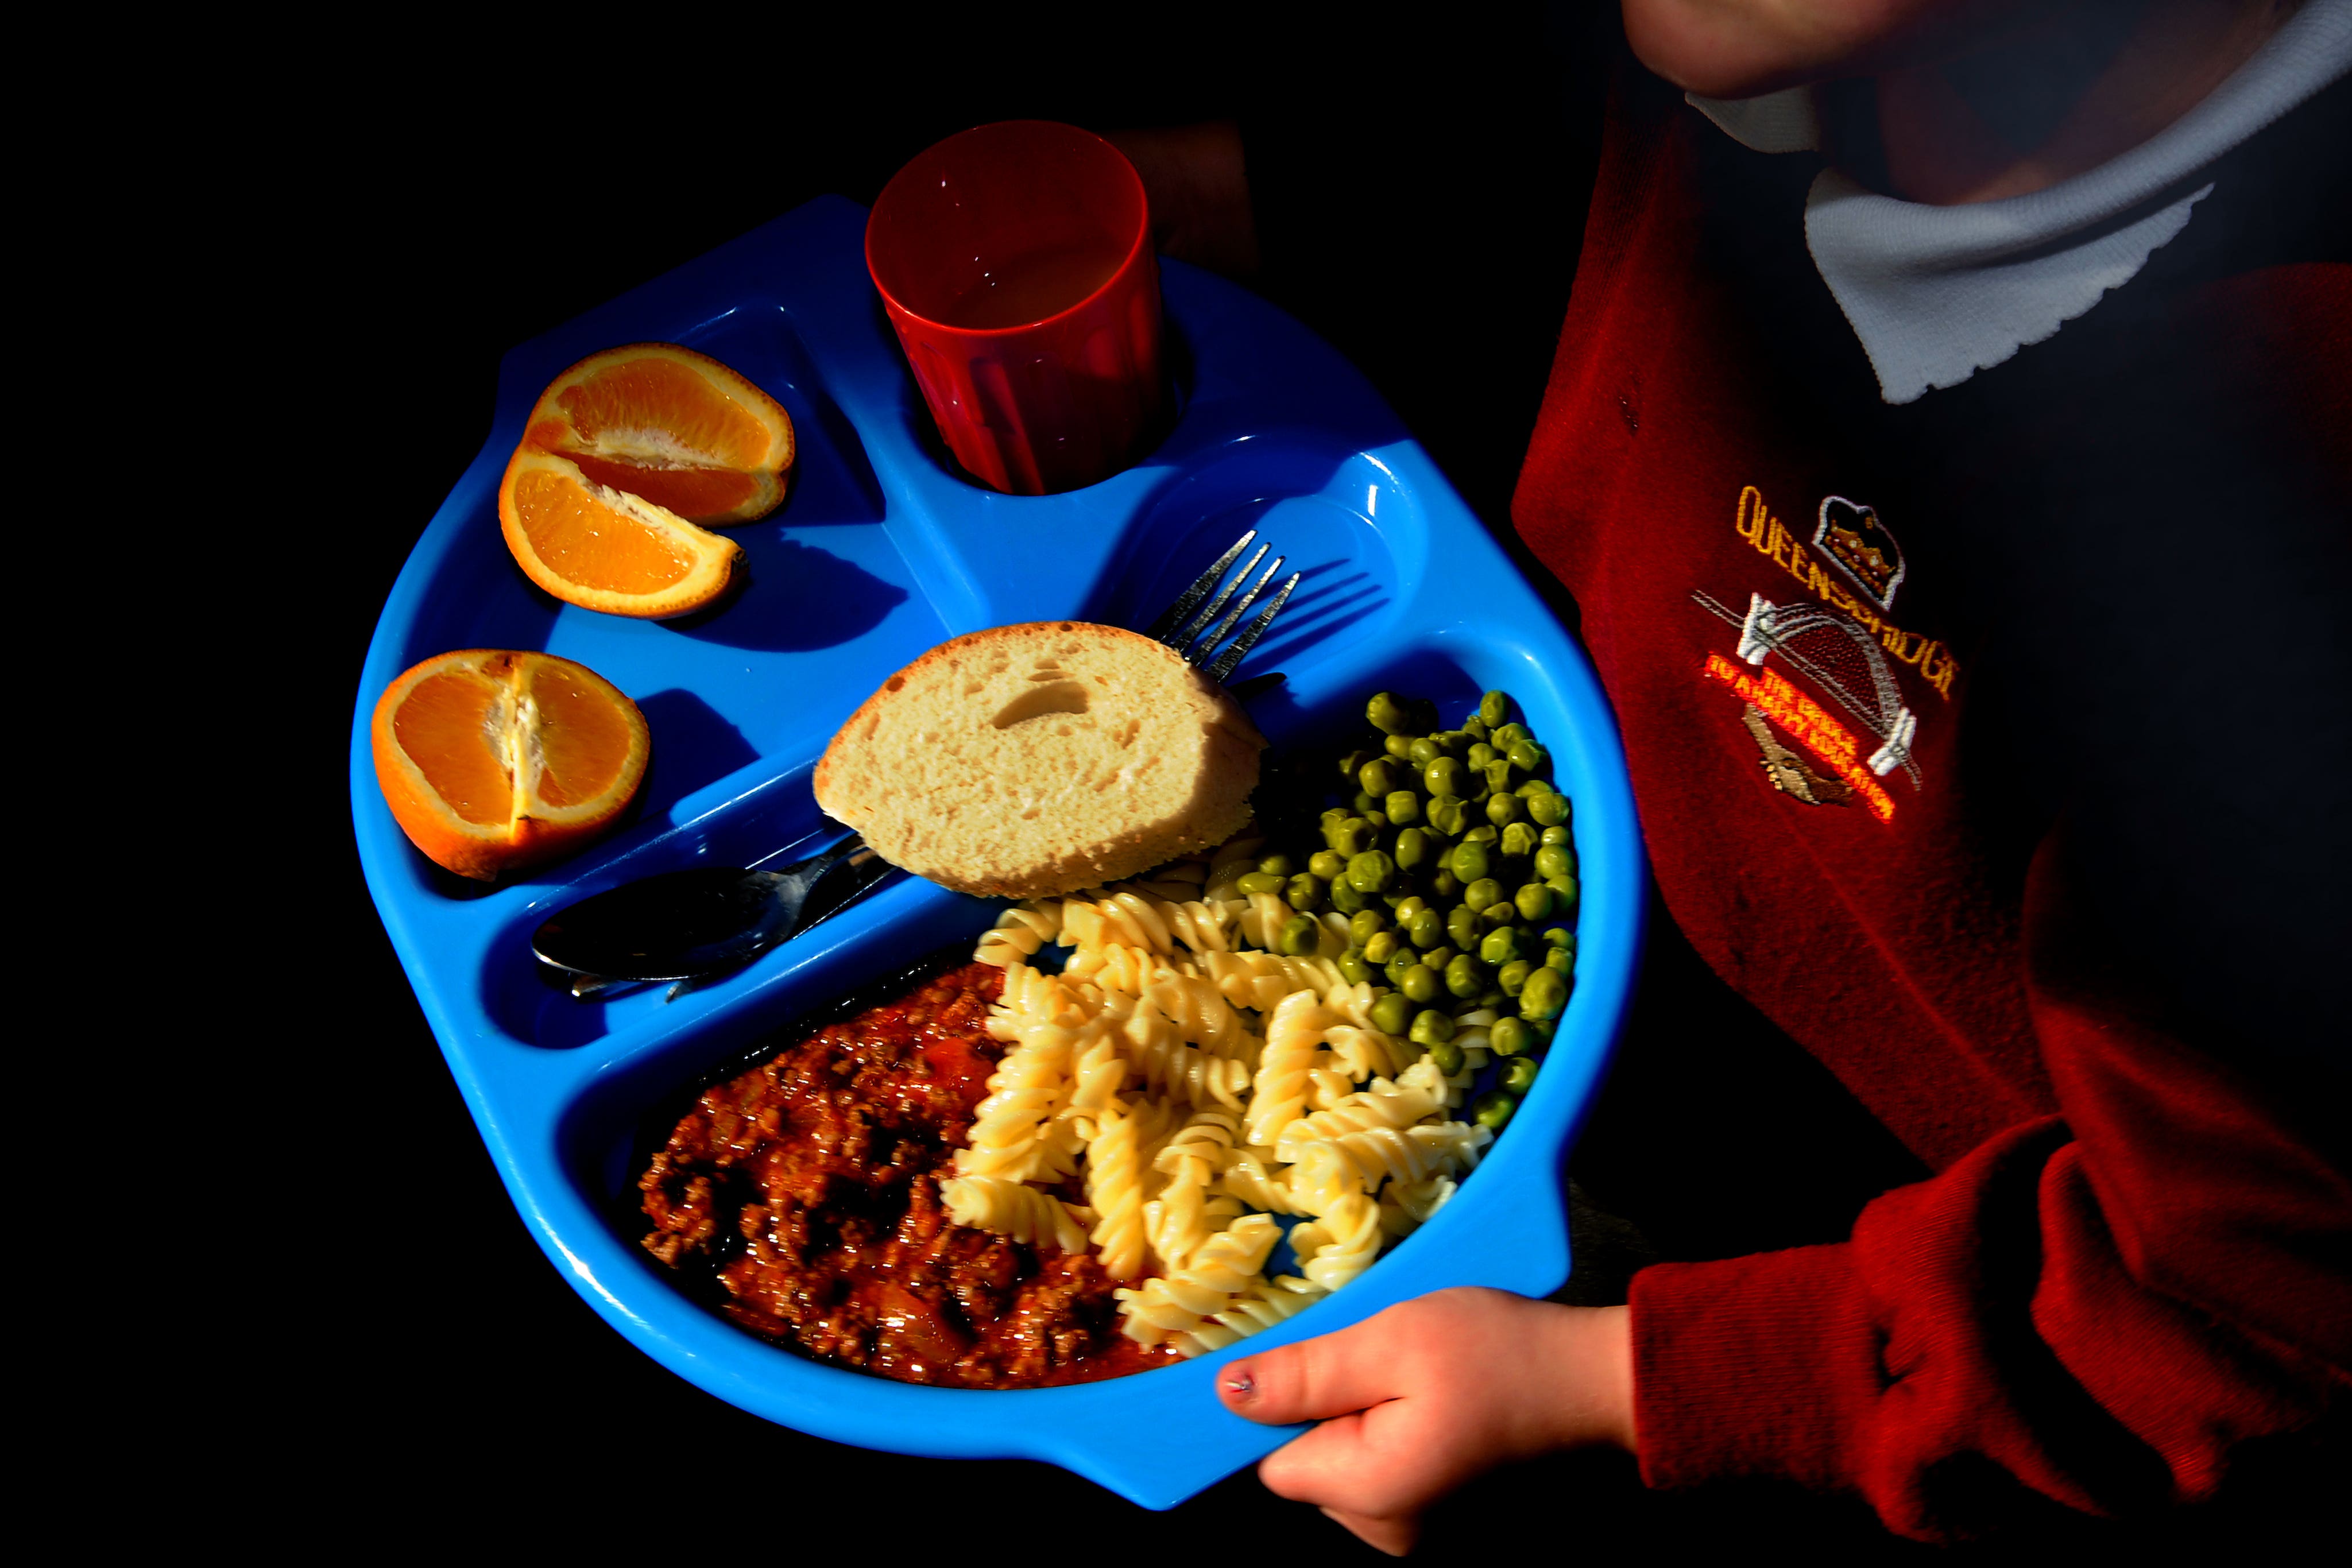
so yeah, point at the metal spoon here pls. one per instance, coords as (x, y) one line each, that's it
(693, 926)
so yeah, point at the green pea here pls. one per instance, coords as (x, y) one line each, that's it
(1479, 756)
(1561, 936)
(1465, 976)
(1469, 860)
(1500, 778)
(1495, 707)
(1345, 898)
(1476, 728)
(1518, 1075)
(1431, 1026)
(1420, 984)
(1353, 968)
(1510, 1037)
(1334, 813)
(1426, 929)
(1502, 945)
(1300, 936)
(1452, 742)
(1492, 999)
(1506, 736)
(1394, 970)
(1371, 872)
(1560, 960)
(1505, 809)
(1544, 995)
(1484, 833)
(1363, 804)
(1278, 866)
(1492, 1110)
(1553, 861)
(1446, 814)
(1548, 809)
(1533, 901)
(1380, 947)
(1403, 807)
(1444, 884)
(1376, 778)
(1565, 888)
(1482, 892)
(1392, 1014)
(1347, 837)
(1304, 890)
(1257, 882)
(1442, 777)
(1423, 750)
(1519, 841)
(1437, 957)
(1513, 978)
(1408, 909)
(1329, 865)
(1414, 849)
(1557, 833)
(1388, 713)
(1461, 925)
(1365, 925)
(1530, 758)
(1353, 762)
(1542, 1029)
(1399, 747)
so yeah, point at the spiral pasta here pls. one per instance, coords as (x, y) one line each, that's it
(1202, 1084)
(1019, 931)
(1269, 1303)
(1336, 1248)
(1168, 1066)
(1015, 1209)
(1278, 1093)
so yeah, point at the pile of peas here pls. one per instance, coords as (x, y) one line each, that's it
(1454, 866)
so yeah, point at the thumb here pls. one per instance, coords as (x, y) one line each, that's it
(1312, 1380)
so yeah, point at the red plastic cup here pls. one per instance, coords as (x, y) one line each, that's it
(1016, 261)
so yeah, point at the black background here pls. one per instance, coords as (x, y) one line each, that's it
(395, 1360)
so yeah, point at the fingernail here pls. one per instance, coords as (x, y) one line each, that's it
(1240, 1383)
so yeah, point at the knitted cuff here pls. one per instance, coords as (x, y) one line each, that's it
(1765, 1365)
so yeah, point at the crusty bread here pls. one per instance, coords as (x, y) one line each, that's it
(1036, 760)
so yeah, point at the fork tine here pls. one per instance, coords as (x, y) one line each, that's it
(1231, 656)
(1180, 639)
(1205, 646)
(1174, 616)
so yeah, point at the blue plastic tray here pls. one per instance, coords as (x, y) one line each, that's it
(881, 552)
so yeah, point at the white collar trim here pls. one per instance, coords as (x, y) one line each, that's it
(1937, 294)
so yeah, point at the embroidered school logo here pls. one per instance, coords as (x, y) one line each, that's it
(1833, 745)
(1858, 545)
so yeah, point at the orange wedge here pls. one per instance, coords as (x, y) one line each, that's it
(670, 426)
(603, 548)
(494, 761)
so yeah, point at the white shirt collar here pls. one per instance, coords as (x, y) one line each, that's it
(1937, 294)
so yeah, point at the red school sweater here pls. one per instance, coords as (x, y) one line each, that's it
(1995, 748)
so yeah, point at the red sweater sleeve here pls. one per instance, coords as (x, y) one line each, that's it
(2097, 1307)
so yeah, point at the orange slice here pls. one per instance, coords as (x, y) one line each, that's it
(603, 548)
(671, 426)
(494, 761)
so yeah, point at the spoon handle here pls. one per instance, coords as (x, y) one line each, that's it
(835, 880)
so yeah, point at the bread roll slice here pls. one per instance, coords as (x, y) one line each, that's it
(1036, 760)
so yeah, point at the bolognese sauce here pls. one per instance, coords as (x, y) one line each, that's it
(803, 1197)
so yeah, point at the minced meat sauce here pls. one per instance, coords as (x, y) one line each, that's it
(805, 1193)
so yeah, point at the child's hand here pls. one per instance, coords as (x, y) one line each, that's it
(1419, 1399)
